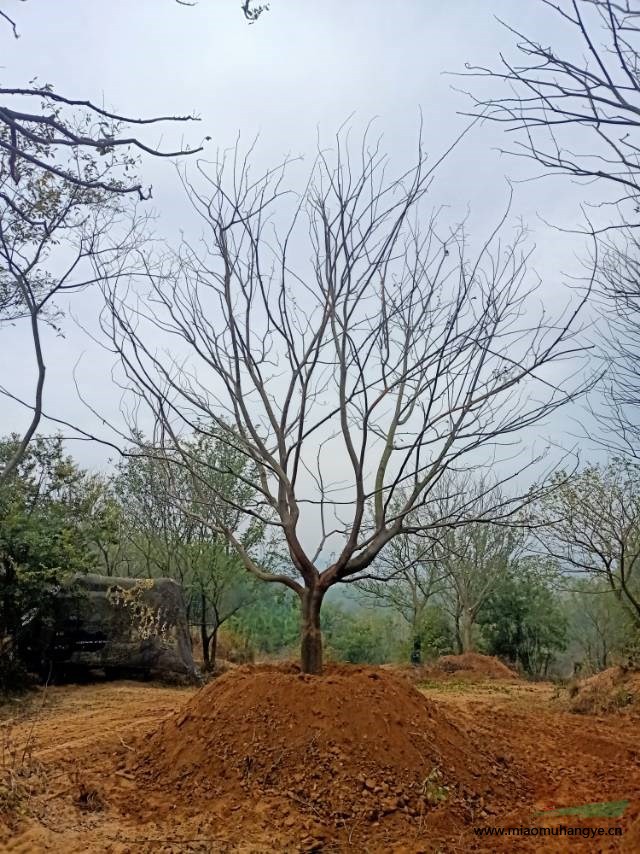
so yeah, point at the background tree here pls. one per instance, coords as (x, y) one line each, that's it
(58, 153)
(395, 352)
(364, 636)
(46, 138)
(590, 524)
(459, 566)
(599, 624)
(49, 511)
(219, 589)
(575, 110)
(479, 557)
(270, 624)
(51, 232)
(523, 620)
(155, 534)
(592, 83)
(405, 578)
(53, 145)
(110, 541)
(166, 507)
(618, 294)
(472, 557)
(39, 138)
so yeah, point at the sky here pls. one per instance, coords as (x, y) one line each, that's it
(290, 79)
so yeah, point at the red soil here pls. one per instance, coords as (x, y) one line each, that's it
(611, 690)
(356, 742)
(471, 664)
(468, 667)
(260, 761)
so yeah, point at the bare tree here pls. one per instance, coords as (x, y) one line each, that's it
(50, 236)
(459, 564)
(618, 293)
(27, 132)
(406, 577)
(221, 592)
(592, 84)
(591, 525)
(576, 111)
(475, 556)
(388, 358)
(599, 624)
(57, 159)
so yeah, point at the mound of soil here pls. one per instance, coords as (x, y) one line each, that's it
(608, 691)
(473, 665)
(355, 743)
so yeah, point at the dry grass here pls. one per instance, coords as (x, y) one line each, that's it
(85, 793)
(609, 691)
(21, 775)
(18, 774)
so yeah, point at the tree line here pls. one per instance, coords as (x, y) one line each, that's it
(475, 587)
(347, 373)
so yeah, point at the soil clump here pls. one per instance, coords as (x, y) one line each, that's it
(468, 667)
(611, 690)
(356, 743)
(473, 664)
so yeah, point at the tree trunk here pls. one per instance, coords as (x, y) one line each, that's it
(9, 610)
(204, 635)
(213, 647)
(466, 634)
(310, 633)
(605, 656)
(457, 633)
(415, 656)
(204, 639)
(632, 604)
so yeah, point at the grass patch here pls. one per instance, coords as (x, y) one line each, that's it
(604, 809)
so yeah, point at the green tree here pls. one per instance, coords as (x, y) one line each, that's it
(590, 524)
(171, 515)
(49, 512)
(598, 623)
(436, 633)
(522, 619)
(473, 556)
(405, 579)
(364, 636)
(271, 623)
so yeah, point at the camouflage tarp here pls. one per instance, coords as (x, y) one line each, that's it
(125, 626)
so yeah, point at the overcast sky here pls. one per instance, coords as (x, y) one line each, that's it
(297, 74)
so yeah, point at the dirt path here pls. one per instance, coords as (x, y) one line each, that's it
(75, 717)
(70, 791)
(569, 760)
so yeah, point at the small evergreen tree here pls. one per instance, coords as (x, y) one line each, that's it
(523, 621)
